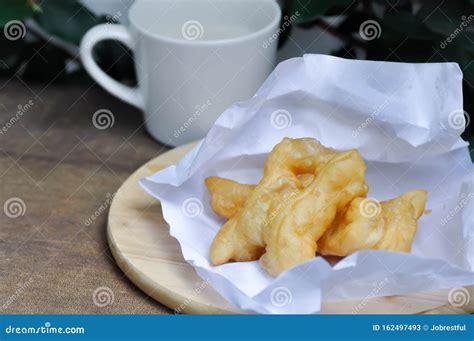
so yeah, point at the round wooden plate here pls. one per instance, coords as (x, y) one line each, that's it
(143, 248)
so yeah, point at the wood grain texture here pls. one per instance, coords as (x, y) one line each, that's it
(63, 168)
(140, 242)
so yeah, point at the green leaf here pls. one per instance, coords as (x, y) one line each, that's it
(310, 10)
(14, 10)
(67, 19)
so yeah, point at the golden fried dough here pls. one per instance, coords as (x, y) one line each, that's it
(400, 215)
(310, 199)
(291, 237)
(391, 227)
(227, 196)
(240, 238)
(352, 231)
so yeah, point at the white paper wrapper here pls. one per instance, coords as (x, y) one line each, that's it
(405, 119)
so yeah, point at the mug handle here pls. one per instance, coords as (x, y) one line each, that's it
(91, 38)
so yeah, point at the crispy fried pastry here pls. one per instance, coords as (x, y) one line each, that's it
(352, 230)
(291, 237)
(241, 238)
(391, 227)
(400, 215)
(227, 196)
(310, 199)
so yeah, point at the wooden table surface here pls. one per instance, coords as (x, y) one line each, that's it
(61, 170)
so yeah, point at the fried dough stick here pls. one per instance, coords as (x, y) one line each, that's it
(291, 237)
(400, 215)
(241, 238)
(391, 228)
(227, 196)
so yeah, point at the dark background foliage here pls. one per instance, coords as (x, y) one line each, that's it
(411, 31)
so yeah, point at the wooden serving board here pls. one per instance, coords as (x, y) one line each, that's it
(143, 248)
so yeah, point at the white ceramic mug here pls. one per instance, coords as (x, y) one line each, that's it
(194, 58)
